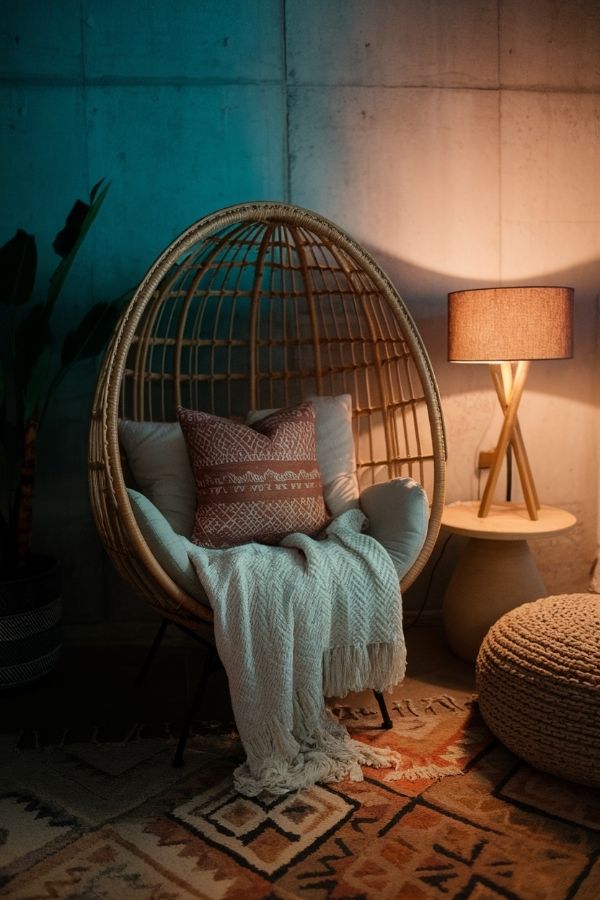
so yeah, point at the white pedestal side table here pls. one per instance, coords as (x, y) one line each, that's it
(496, 570)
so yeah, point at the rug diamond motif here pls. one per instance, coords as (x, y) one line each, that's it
(266, 835)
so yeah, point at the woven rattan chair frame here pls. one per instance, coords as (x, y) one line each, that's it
(257, 306)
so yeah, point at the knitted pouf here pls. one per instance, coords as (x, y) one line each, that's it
(538, 680)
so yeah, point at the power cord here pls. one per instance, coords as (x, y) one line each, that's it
(419, 612)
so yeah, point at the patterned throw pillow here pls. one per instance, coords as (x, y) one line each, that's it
(254, 484)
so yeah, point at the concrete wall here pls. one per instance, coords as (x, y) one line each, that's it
(458, 139)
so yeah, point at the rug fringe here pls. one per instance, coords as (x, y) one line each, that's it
(428, 772)
(407, 707)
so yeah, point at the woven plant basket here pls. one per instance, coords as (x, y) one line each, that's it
(259, 306)
(30, 623)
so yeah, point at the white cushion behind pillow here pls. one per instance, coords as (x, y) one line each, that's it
(159, 462)
(335, 449)
(398, 513)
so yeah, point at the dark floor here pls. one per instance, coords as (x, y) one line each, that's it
(93, 686)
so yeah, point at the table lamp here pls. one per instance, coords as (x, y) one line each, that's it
(508, 327)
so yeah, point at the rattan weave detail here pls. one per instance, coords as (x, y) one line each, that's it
(259, 306)
(538, 679)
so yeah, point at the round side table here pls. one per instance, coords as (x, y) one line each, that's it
(496, 571)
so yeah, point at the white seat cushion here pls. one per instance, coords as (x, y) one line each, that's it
(168, 548)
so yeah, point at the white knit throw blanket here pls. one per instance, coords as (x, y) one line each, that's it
(296, 622)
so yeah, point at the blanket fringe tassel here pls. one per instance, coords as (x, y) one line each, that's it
(378, 667)
(319, 750)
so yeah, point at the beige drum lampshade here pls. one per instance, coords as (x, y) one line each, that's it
(505, 324)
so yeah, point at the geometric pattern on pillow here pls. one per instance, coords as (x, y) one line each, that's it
(335, 449)
(255, 483)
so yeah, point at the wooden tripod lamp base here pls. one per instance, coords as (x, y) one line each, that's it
(509, 381)
(508, 327)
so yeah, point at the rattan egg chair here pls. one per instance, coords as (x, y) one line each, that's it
(259, 306)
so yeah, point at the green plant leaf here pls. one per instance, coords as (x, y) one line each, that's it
(92, 334)
(27, 356)
(66, 239)
(32, 340)
(18, 263)
(94, 190)
(83, 226)
(85, 341)
(37, 386)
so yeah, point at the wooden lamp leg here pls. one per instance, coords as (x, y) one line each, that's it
(509, 388)
(518, 445)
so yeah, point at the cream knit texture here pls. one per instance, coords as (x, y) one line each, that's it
(295, 623)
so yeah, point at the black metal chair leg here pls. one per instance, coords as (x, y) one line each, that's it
(151, 653)
(387, 722)
(207, 669)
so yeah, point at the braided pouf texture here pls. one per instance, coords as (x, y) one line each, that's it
(538, 681)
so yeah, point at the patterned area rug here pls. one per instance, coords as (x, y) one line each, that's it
(463, 819)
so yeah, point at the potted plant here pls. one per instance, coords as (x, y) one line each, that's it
(33, 364)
